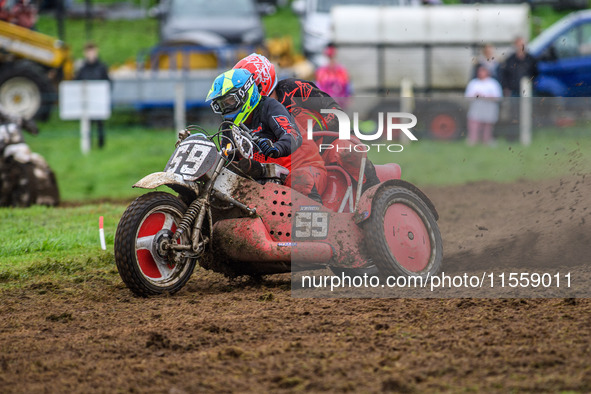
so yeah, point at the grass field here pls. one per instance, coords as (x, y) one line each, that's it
(56, 244)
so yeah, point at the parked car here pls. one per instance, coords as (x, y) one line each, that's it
(564, 57)
(210, 23)
(315, 21)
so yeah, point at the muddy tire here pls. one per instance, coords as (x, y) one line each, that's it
(143, 266)
(26, 90)
(402, 235)
(17, 181)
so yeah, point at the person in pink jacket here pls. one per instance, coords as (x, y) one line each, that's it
(334, 78)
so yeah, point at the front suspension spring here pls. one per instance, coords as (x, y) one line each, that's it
(188, 218)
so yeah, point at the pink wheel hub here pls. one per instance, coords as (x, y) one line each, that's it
(155, 228)
(407, 237)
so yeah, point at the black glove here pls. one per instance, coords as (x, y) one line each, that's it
(267, 148)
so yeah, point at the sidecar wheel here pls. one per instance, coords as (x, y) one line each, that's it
(141, 263)
(402, 235)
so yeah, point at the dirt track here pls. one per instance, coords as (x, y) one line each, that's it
(221, 336)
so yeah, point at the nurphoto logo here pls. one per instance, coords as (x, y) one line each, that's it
(393, 122)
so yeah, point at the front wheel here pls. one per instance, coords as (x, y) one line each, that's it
(142, 261)
(402, 235)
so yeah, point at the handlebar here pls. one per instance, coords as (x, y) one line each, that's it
(244, 141)
(254, 138)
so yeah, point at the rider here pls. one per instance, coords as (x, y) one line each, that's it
(235, 96)
(304, 100)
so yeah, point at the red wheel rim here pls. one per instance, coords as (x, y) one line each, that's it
(151, 262)
(443, 127)
(407, 237)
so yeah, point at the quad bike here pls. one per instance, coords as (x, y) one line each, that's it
(25, 176)
(248, 223)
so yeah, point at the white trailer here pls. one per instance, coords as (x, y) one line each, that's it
(434, 47)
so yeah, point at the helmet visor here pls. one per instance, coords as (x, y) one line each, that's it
(226, 104)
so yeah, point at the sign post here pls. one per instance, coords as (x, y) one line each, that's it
(525, 109)
(85, 100)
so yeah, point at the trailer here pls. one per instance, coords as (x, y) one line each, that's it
(165, 74)
(433, 47)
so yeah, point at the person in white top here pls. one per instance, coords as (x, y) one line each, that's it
(486, 93)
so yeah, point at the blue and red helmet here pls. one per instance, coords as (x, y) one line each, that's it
(234, 95)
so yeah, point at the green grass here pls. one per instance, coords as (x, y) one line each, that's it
(130, 153)
(543, 17)
(56, 243)
(284, 22)
(119, 41)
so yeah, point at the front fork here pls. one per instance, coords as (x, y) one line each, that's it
(196, 213)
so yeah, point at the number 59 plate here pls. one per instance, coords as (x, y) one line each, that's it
(193, 158)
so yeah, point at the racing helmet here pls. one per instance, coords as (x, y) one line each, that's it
(263, 71)
(234, 95)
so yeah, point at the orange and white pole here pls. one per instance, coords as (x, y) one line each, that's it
(102, 234)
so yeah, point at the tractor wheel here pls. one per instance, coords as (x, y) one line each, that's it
(25, 90)
(443, 121)
(402, 235)
(146, 225)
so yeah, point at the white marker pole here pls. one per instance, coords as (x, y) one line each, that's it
(102, 234)
(85, 121)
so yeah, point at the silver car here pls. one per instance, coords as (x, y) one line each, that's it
(210, 23)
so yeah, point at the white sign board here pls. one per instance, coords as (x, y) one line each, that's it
(85, 99)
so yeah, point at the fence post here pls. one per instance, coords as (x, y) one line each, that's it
(525, 111)
(179, 106)
(406, 95)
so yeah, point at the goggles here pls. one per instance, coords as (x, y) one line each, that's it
(226, 104)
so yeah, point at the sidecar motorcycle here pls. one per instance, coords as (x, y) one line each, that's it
(238, 223)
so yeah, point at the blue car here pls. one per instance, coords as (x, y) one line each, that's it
(563, 52)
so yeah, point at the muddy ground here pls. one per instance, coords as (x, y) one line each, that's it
(217, 335)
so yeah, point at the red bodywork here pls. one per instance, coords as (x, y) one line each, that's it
(284, 215)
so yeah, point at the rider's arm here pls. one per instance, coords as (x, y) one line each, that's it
(283, 127)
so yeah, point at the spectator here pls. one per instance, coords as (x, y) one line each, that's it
(484, 108)
(93, 69)
(333, 78)
(488, 60)
(518, 65)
